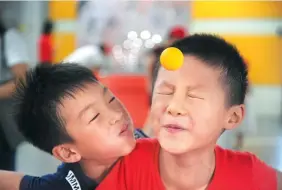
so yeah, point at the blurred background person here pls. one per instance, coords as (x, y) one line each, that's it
(92, 56)
(45, 45)
(13, 64)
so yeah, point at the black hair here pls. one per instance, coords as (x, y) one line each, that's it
(38, 97)
(103, 48)
(47, 27)
(217, 53)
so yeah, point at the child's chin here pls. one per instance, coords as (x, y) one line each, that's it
(173, 147)
(129, 147)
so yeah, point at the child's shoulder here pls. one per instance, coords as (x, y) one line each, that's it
(235, 159)
(245, 167)
(233, 156)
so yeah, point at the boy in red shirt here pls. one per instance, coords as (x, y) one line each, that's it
(191, 108)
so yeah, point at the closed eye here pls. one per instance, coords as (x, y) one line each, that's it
(94, 117)
(165, 93)
(112, 99)
(193, 96)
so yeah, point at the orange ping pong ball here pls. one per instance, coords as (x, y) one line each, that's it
(172, 58)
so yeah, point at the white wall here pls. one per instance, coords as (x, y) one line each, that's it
(267, 100)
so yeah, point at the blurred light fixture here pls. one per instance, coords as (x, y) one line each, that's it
(127, 44)
(145, 34)
(156, 38)
(149, 44)
(132, 35)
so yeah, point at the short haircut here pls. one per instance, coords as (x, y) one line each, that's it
(217, 53)
(38, 97)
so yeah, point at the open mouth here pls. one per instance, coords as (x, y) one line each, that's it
(172, 128)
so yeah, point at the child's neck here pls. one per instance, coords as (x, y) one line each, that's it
(192, 170)
(95, 170)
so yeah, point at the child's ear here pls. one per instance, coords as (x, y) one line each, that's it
(235, 116)
(66, 153)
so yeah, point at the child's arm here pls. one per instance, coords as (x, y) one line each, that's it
(10, 180)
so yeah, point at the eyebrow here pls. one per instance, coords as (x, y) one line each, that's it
(190, 88)
(167, 84)
(105, 90)
(85, 109)
(195, 87)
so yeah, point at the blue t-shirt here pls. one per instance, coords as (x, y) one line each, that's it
(67, 177)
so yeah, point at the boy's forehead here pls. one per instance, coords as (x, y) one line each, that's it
(193, 70)
(85, 91)
(82, 97)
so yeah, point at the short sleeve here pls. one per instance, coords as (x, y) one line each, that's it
(67, 177)
(46, 182)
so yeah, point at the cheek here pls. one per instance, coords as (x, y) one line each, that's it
(208, 118)
(87, 137)
(160, 100)
(96, 144)
(158, 108)
(118, 106)
(202, 111)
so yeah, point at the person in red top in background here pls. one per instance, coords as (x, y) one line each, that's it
(191, 108)
(91, 56)
(45, 43)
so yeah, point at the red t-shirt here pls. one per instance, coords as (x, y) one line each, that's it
(45, 48)
(234, 171)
